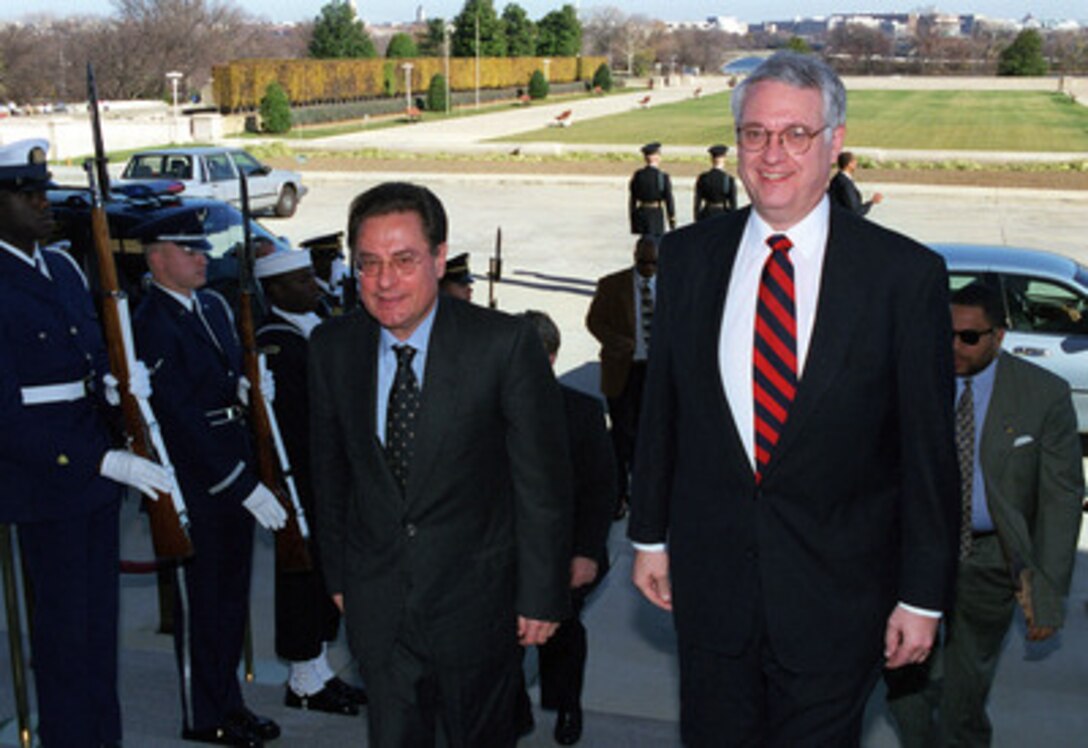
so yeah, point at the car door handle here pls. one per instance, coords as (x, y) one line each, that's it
(1023, 350)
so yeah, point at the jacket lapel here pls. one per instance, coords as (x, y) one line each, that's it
(999, 422)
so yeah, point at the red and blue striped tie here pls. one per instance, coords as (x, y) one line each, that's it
(774, 356)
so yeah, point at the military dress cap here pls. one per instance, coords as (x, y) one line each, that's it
(23, 166)
(281, 262)
(457, 270)
(183, 227)
(717, 151)
(332, 241)
(651, 148)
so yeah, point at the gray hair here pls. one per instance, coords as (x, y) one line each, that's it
(545, 328)
(799, 71)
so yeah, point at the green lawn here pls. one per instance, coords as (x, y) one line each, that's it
(952, 120)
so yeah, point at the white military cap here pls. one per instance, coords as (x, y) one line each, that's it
(280, 262)
(23, 165)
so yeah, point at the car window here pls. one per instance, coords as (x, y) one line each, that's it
(147, 166)
(180, 167)
(245, 162)
(1043, 305)
(219, 167)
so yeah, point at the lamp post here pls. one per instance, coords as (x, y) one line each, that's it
(547, 64)
(477, 58)
(446, 33)
(174, 76)
(407, 84)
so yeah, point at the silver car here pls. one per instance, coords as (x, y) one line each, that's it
(212, 173)
(1046, 307)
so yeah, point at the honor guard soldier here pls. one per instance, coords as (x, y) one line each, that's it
(715, 190)
(457, 281)
(59, 470)
(189, 341)
(650, 204)
(306, 617)
(331, 274)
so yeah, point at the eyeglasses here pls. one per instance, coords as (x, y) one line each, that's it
(970, 337)
(403, 264)
(795, 139)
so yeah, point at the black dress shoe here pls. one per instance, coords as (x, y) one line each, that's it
(568, 726)
(262, 727)
(225, 734)
(352, 693)
(325, 700)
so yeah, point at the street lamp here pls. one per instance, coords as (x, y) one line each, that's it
(174, 76)
(477, 58)
(446, 33)
(547, 64)
(407, 84)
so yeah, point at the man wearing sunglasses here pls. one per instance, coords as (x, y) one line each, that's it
(1021, 483)
(794, 499)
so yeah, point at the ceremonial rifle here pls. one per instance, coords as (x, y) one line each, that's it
(494, 270)
(168, 516)
(273, 468)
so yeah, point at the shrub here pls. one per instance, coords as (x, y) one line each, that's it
(275, 109)
(602, 78)
(538, 87)
(436, 93)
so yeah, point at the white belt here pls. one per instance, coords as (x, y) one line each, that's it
(54, 393)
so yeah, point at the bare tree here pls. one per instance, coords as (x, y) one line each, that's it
(860, 45)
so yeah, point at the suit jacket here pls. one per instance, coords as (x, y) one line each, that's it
(50, 453)
(192, 377)
(1031, 462)
(845, 194)
(482, 531)
(594, 465)
(715, 192)
(650, 185)
(611, 320)
(858, 506)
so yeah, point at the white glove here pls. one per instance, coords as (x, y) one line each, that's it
(144, 475)
(264, 505)
(243, 390)
(268, 385)
(139, 384)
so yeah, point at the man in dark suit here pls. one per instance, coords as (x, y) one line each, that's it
(844, 193)
(1022, 482)
(650, 203)
(188, 340)
(715, 189)
(58, 465)
(444, 484)
(795, 450)
(563, 657)
(306, 618)
(620, 318)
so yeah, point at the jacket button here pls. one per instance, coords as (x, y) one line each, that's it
(410, 530)
(42, 335)
(62, 459)
(74, 330)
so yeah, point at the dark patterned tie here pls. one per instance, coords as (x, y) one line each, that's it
(774, 355)
(400, 418)
(965, 448)
(646, 311)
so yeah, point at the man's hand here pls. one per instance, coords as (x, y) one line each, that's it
(908, 638)
(532, 632)
(583, 571)
(338, 601)
(651, 576)
(1041, 633)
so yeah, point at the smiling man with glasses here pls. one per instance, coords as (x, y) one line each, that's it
(794, 495)
(442, 470)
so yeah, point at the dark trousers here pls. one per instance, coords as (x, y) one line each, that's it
(412, 698)
(72, 564)
(753, 700)
(209, 635)
(623, 413)
(944, 701)
(306, 616)
(562, 661)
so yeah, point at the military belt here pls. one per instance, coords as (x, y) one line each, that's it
(45, 394)
(716, 205)
(223, 416)
(653, 204)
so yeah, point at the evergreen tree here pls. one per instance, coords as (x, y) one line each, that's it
(338, 33)
(520, 31)
(1024, 56)
(538, 86)
(799, 45)
(492, 39)
(432, 42)
(275, 109)
(602, 77)
(559, 33)
(436, 93)
(401, 46)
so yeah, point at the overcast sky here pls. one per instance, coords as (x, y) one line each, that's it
(379, 11)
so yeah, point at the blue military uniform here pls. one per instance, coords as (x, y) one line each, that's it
(195, 359)
(54, 436)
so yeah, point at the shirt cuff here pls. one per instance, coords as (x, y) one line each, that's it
(920, 611)
(650, 547)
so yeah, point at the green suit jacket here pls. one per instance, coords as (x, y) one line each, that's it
(1031, 462)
